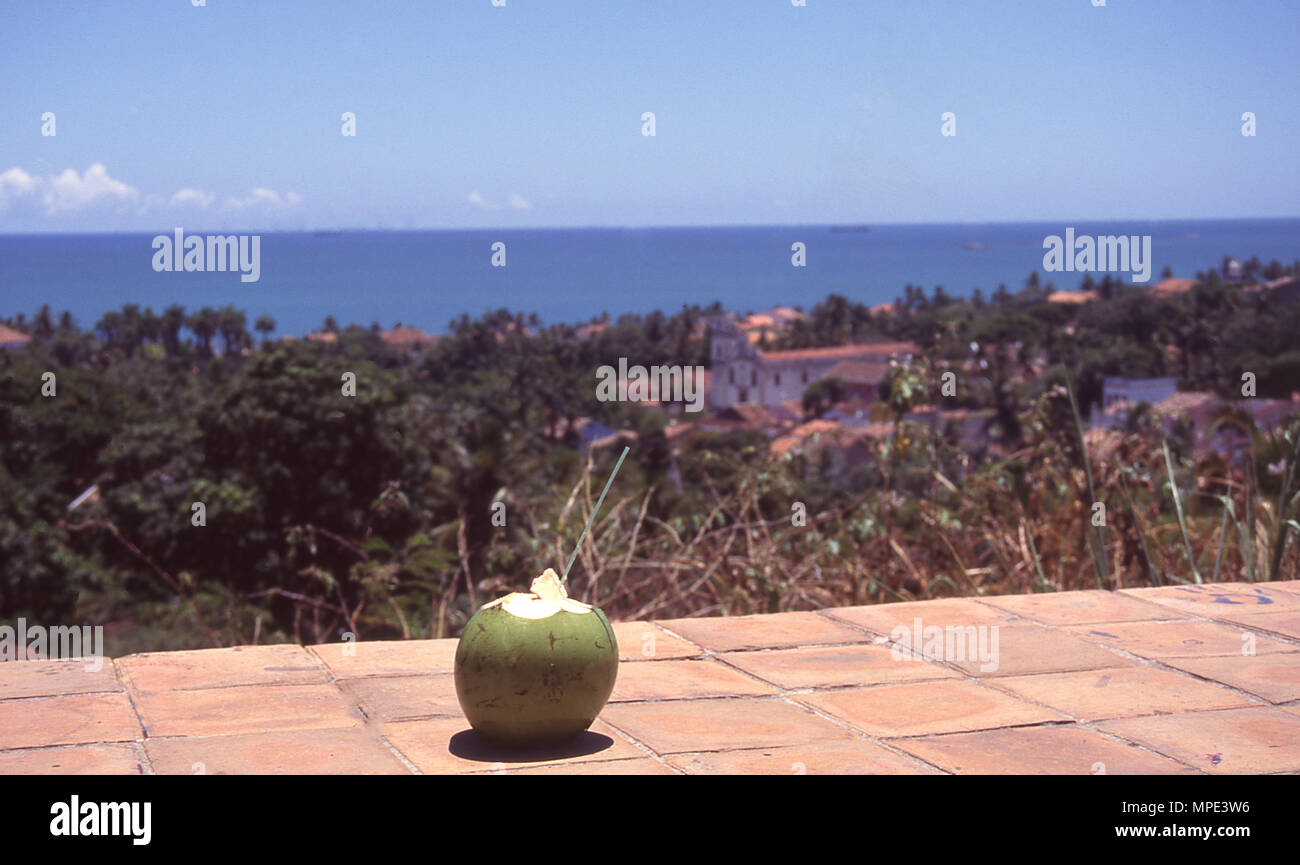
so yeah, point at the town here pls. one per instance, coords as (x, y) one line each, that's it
(748, 387)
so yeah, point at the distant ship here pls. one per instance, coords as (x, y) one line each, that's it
(973, 244)
(838, 228)
(327, 233)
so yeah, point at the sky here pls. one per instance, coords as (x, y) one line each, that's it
(469, 115)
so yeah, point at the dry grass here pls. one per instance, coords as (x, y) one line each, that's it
(1165, 522)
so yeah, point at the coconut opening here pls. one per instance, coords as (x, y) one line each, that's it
(546, 598)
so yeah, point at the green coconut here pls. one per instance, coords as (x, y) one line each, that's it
(535, 668)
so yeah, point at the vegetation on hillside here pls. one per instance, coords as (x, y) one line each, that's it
(374, 514)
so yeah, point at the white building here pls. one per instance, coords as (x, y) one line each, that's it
(1119, 396)
(1136, 390)
(742, 373)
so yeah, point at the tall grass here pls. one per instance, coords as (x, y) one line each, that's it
(1099, 551)
(1178, 509)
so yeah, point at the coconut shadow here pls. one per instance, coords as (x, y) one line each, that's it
(469, 745)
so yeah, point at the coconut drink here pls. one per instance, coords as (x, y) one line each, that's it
(536, 667)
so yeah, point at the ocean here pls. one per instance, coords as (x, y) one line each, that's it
(428, 278)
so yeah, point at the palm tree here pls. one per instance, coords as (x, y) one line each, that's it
(264, 325)
(132, 327)
(109, 328)
(150, 325)
(169, 328)
(43, 325)
(234, 329)
(204, 324)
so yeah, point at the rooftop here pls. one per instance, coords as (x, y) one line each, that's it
(1185, 400)
(9, 336)
(752, 415)
(1072, 297)
(777, 317)
(405, 336)
(860, 371)
(864, 350)
(1172, 286)
(1150, 681)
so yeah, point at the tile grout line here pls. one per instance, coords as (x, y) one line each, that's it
(659, 758)
(128, 685)
(1158, 663)
(706, 654)
(124, 679)
(410, 765)
(1072, 720)
(785, 693)
(1067, 719)
(368, 724)
(1285, 638)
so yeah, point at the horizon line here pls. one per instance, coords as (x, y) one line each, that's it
(660, 226)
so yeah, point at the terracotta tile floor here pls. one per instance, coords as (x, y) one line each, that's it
(1186, 679)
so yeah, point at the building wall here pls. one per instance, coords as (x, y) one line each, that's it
(762, 384)
(794, 380)
(1136, 390)
(740, 375)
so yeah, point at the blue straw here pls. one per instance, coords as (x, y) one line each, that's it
(594, 510)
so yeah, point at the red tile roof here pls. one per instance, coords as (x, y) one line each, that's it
(9, 336)
(1103, 443)
(1185, 400)
(752, 414)
(677, 430)
(860, 371)
(817, 427)
(1072, 297)
(405, 336)
(1271, 285)
(867, 350)
(827, 432)
(1169, 287)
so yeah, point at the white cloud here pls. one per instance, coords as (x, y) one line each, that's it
(264, 199)
(16, 184)
(88, 199)
(67, 192)
(514, 201)
(189, 197)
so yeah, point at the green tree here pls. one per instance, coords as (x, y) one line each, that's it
(820, 396)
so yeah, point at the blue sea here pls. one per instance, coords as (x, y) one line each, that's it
(429, 278)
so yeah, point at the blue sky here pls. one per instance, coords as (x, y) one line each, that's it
(469, 115)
